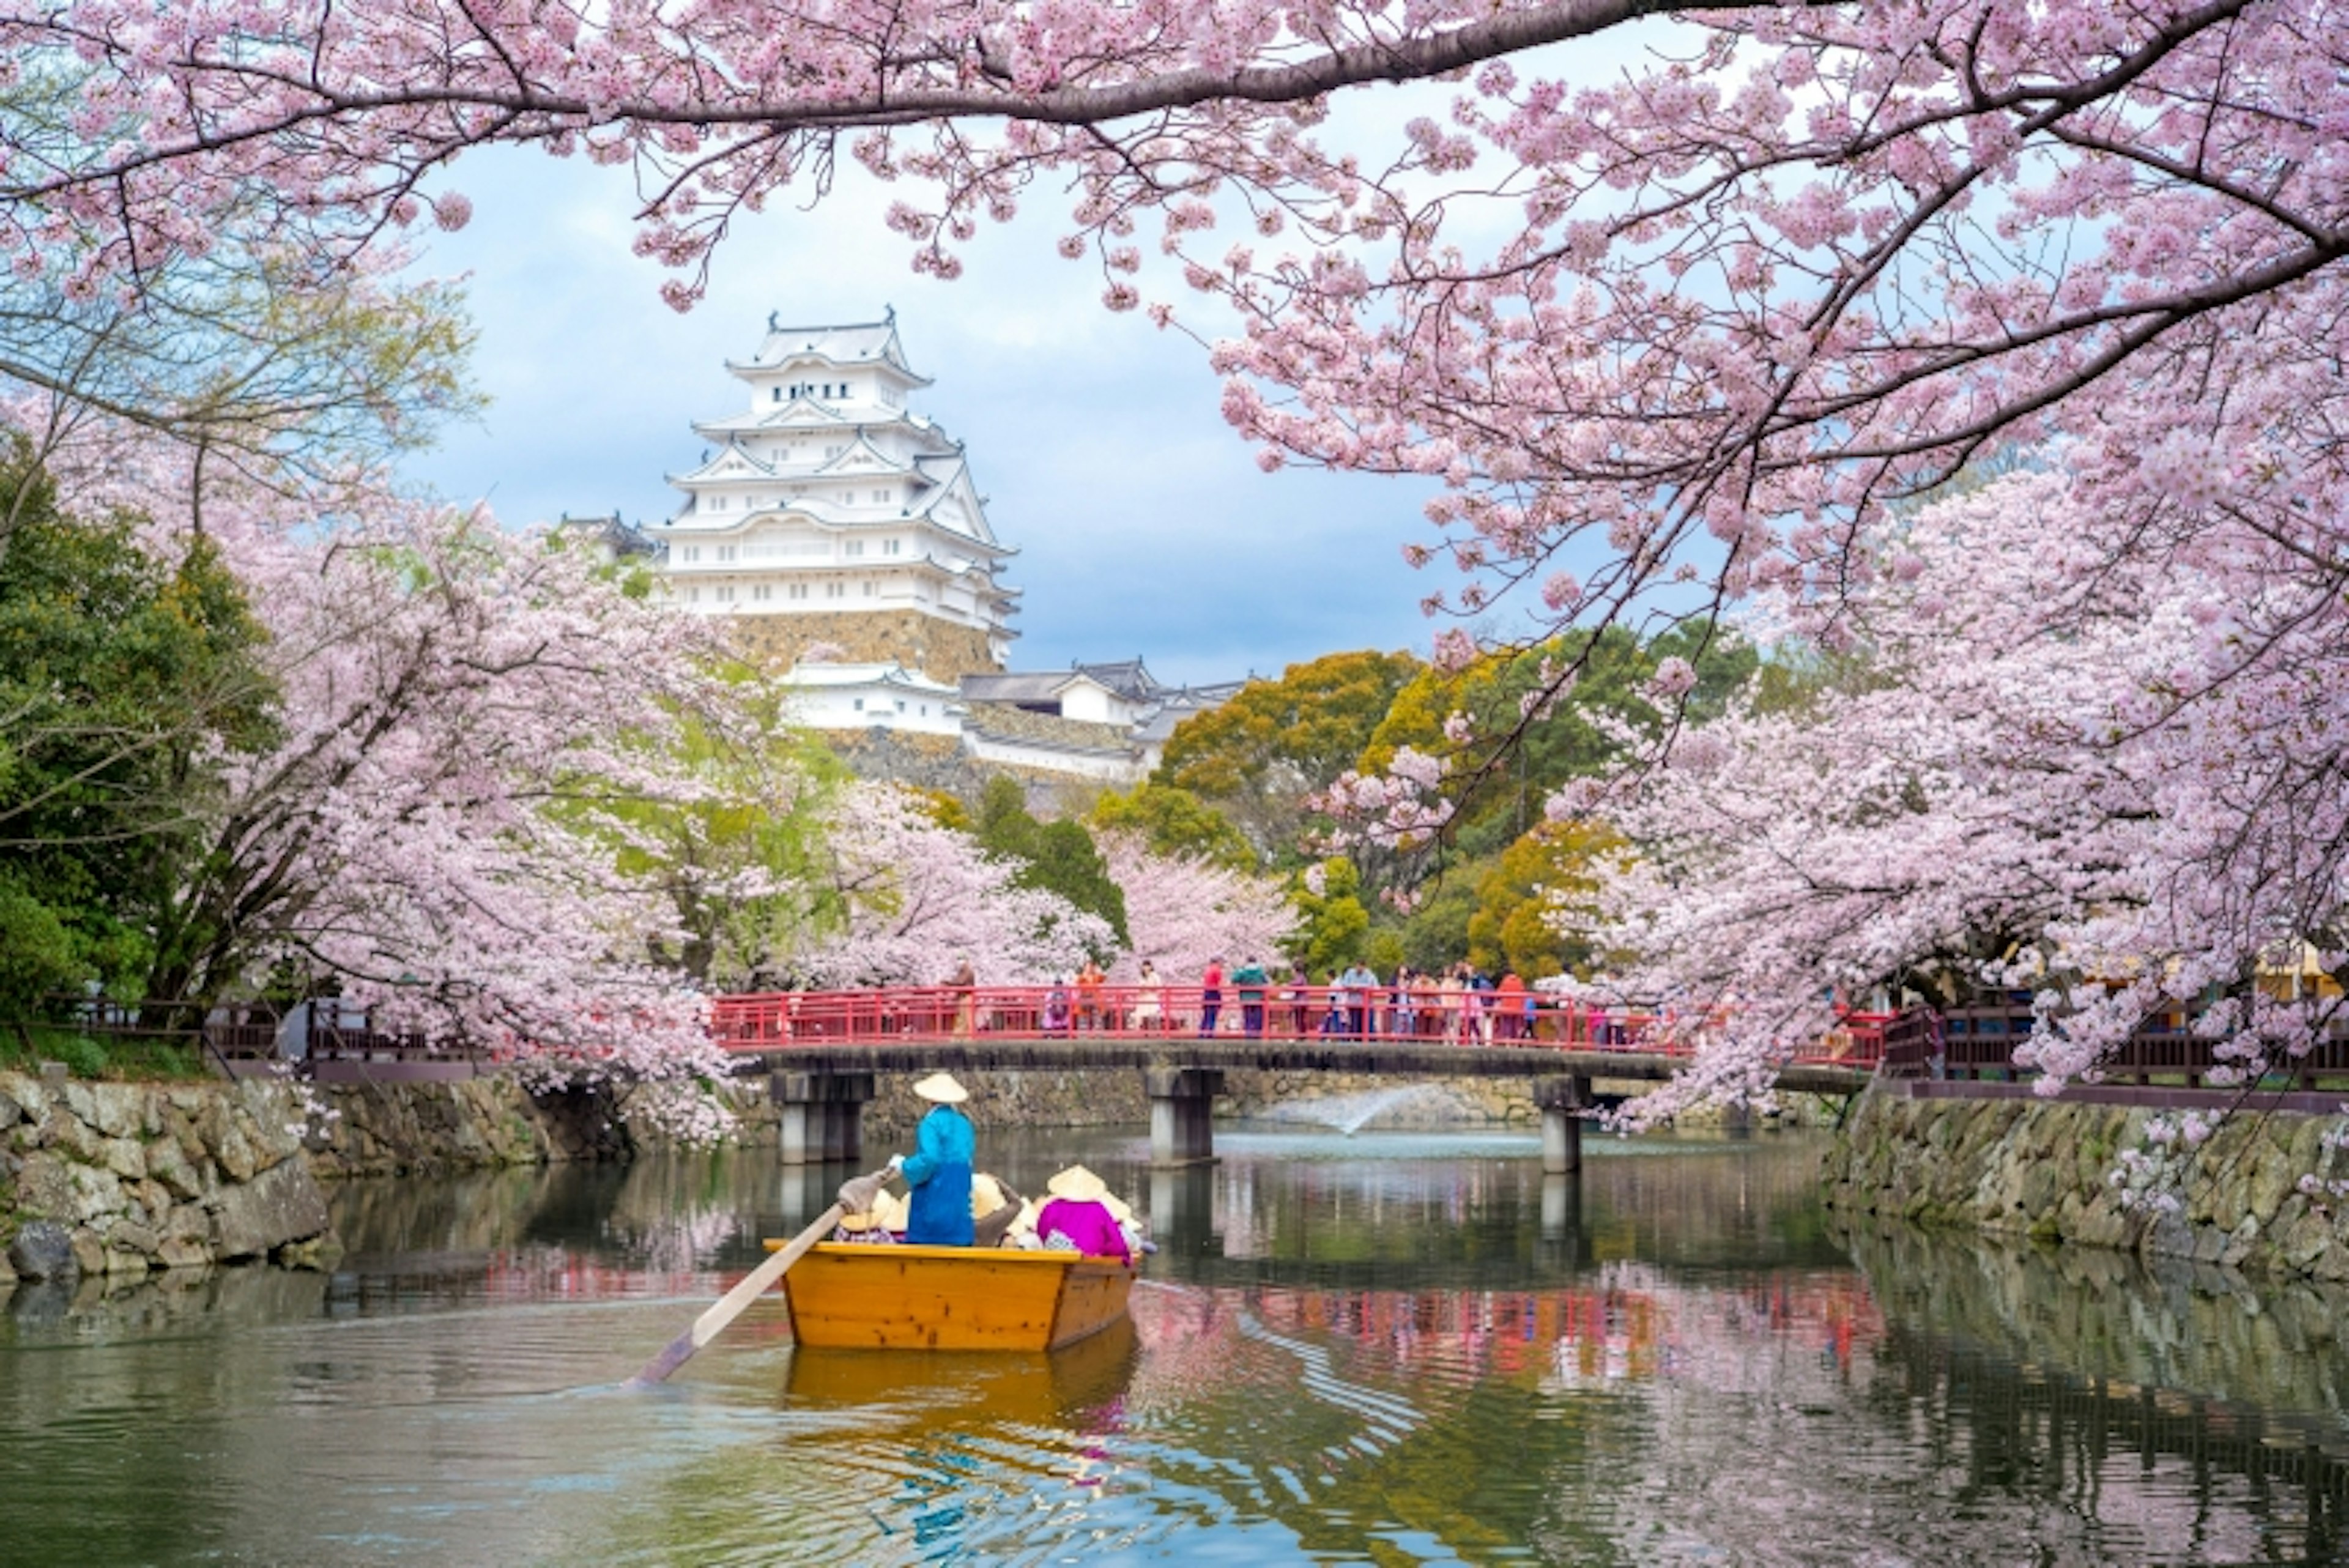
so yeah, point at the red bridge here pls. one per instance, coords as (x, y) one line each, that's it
(1167, 1015)
(824, 1047)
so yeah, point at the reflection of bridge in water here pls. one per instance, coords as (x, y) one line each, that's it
(825, 1049)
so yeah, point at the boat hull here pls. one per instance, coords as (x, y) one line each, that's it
(856, 1296)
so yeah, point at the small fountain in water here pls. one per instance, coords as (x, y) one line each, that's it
(1348, 1113)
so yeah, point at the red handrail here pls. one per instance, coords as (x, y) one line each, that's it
(913, 1016)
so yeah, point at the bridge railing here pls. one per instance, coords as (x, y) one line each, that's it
(911, 1016)
(1978, 1043)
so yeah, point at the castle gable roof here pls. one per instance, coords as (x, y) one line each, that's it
(846, 344)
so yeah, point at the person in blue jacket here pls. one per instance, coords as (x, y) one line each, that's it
(939, 1168)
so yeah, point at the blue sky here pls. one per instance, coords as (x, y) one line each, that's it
(1143, 523)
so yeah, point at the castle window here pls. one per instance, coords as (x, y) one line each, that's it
(779, 393)
(889, 548)
(691, 553)
(900, 705)
(799, 590)
(835, 590)
(854, 547)
(860, 704)
(868, 588)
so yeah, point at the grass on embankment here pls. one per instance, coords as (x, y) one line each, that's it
(122, 1058)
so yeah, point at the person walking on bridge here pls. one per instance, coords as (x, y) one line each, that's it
(1211, 996)
(1251, 980)
(1149, 1000)
(965, 986)
(939, 1169)
(1510, 1000)
(1358, 981)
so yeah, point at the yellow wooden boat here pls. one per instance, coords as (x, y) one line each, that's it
(860, 1297)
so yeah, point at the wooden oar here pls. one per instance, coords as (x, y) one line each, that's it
(755, 1284)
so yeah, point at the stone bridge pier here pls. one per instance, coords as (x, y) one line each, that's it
(1182, 1113)
(1563, 1101)
(822, 1115)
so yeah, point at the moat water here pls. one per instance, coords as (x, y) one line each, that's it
(1387, 1348)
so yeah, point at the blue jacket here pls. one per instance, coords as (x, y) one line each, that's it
(940, 1173)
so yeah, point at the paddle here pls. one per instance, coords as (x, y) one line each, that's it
(713, 1322)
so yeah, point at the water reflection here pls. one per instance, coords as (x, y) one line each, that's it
(1394, 1348)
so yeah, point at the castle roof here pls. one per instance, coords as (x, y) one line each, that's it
(852, 343)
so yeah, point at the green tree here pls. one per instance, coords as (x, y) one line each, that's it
(125, 683)
(739, 859)
(1535, 902)
(1434, 934)
(1056, 856)
(1504, 783)
(1173, 822)
(1332, 925)
(1258, 757)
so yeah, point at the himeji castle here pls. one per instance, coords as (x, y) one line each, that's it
(840, 536)
(828, 513)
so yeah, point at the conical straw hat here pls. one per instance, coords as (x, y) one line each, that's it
(1078, 1183)
(942, 1088)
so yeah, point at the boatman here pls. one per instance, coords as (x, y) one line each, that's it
(939, 1170)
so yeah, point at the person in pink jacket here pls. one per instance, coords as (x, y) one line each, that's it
(1077, 1220)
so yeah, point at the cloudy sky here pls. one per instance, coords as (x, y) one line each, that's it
(1144, 524)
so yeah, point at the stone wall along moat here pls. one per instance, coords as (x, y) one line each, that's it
(2043, 1170)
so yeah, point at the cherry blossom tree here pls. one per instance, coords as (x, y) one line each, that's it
(1674, 342)
(919, 898)
(445, 823)
(1709, 313)
(2090, 750)
(1181, 910)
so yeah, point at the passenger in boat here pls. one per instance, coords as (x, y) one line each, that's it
(939, 1170)
(878, 1224)
(1078, 1220)
(994, 1205)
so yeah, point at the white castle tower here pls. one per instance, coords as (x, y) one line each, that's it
(828, 513)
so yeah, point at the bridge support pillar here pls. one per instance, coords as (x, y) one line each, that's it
(822, 1115)
(1182, 1113)
(1562, 1102)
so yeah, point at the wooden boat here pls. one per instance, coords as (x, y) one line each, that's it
(856, 1295)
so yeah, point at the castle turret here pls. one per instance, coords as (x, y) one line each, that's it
(828, 513)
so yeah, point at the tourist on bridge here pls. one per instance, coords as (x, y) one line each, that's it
(1089, 982)
(965, 984)
(1149, 1000)
(1211, 996)
(1453, 1009)
(1510, 996)
(1293, 998)
(1402, 1001)
(1251, 979)
(940, 1167)
(1359, 981)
